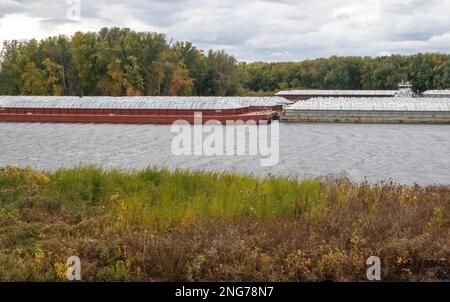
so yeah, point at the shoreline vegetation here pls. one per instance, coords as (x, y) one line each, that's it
(160, 225)
(122, 62)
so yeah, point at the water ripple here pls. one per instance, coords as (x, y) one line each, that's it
(404, 153)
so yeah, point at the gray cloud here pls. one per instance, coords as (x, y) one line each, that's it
(260, 29)
(10, 7)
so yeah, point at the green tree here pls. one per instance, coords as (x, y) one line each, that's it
(33, 81)
(195, 63)
(221, 75)
(84, 56)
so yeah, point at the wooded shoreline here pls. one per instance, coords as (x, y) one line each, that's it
(123, 62)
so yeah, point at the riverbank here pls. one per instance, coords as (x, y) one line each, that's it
(152, 225)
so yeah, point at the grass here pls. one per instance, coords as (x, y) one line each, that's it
(161, 225)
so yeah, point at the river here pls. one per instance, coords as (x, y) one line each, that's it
(406, 154)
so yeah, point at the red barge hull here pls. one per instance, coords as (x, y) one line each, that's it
(135, 116)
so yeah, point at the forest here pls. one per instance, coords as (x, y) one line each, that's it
(123, 62)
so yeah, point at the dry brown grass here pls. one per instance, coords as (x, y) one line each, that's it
(322, 230)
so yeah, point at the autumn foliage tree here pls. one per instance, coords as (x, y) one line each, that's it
(120, 61)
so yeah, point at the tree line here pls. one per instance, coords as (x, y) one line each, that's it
(120, 61)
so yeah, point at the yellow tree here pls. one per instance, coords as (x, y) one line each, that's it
(33, 82)
(170, 76)
(112, 82)
(53, 73)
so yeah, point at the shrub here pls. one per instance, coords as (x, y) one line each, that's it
(161, 225)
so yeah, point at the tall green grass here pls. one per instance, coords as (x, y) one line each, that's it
(162, 197)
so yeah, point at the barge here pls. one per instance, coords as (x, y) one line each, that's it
(369, 110)
(139, 110)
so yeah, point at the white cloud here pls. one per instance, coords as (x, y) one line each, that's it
(254, 29)
(15, 25)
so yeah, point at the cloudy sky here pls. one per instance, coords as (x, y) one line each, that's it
(251, 30)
